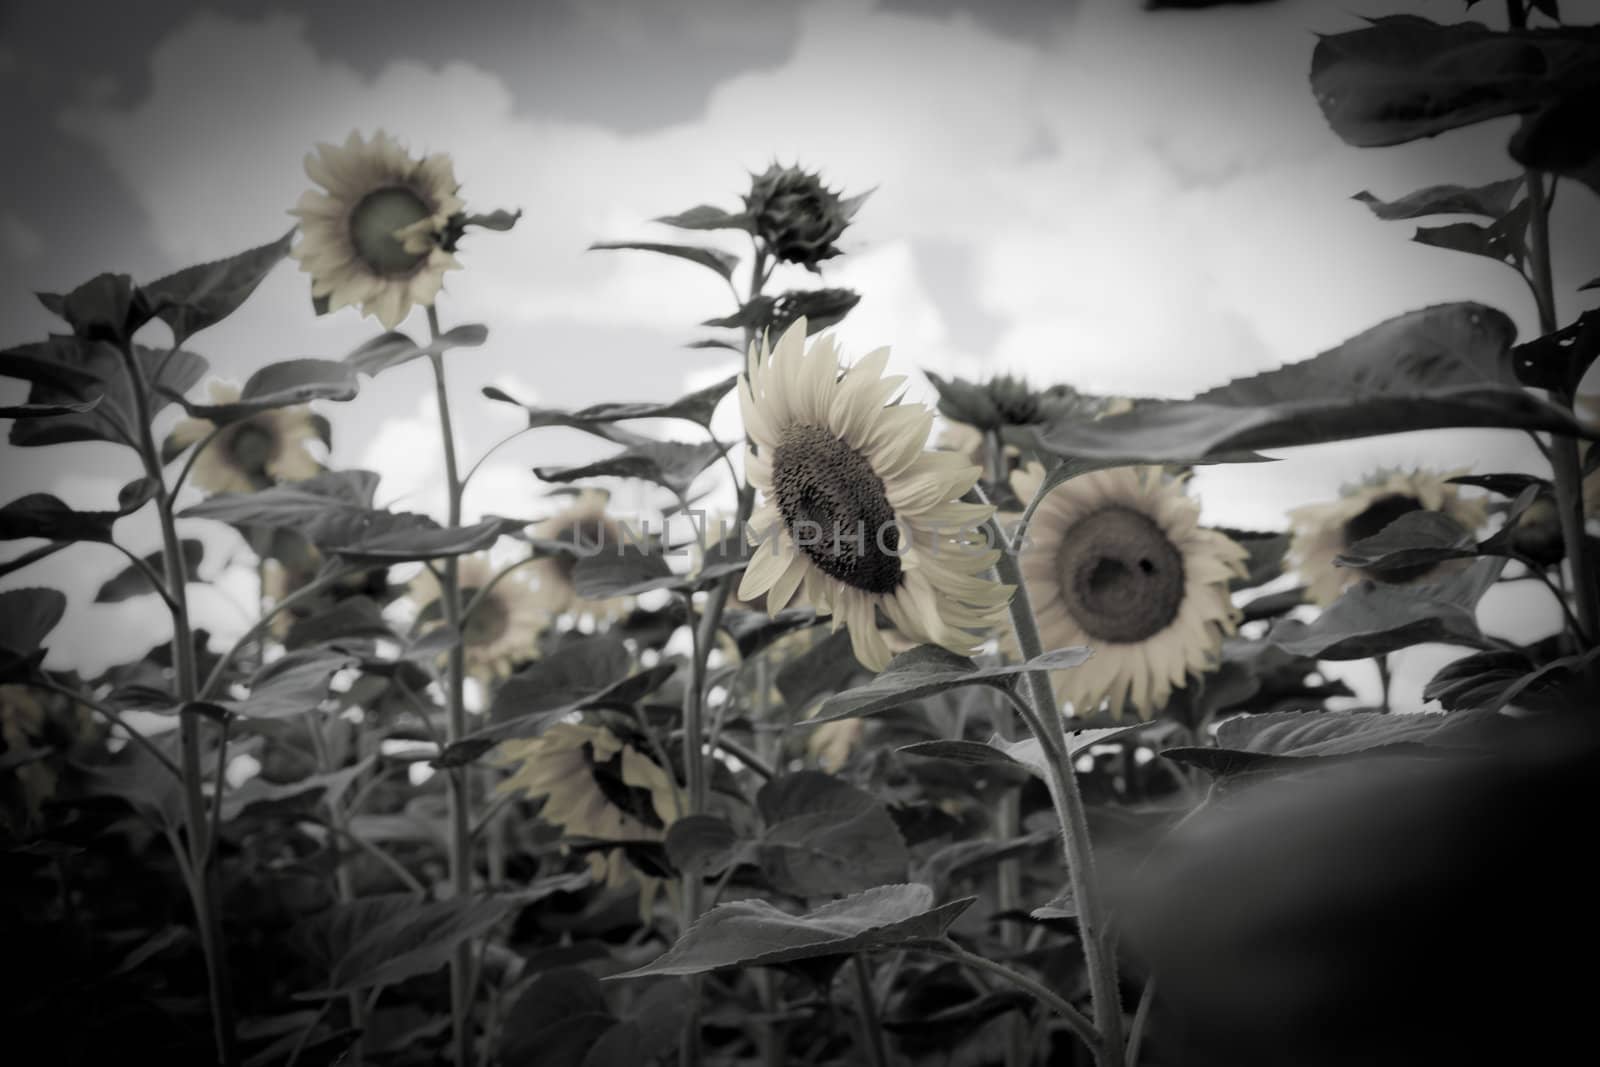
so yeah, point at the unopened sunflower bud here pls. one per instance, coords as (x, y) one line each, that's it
(796, 216)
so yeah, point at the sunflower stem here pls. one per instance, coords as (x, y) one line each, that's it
(1008, 813)
(869, 1011)
(1074, 1018)
(1098, 943)
(205, 887)
(456, 718)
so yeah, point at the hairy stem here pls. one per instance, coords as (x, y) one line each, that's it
(1074, 1018)
(456, 719)
(205, 884)
(869, 1012)
(1098, 943)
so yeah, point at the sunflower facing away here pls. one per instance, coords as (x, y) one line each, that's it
(597, 786)
(503, 629)
(1117, 560)
(857, 516)
(253, 453)
(1323, 531)
(587, 526)
(373, 236)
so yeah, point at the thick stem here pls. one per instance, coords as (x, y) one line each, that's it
(689, 1054)
(1563, 449)
(344, 889)
(1098, 943)
(456, 720)
(205, 884)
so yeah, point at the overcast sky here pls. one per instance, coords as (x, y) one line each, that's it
(1128, 201)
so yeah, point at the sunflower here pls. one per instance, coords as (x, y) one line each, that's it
(857, 516)
(597, 786)
(1117, 560)
(503, 628)
(1323, 531)
(586, 526)
(253, 453)
(375, 236)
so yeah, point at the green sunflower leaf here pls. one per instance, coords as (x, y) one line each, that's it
(1559, 360)
(674, 465)
(696, 407)
(1444, 366)
(292, 684)
(1491, 201)
(712, 259)
(26, 617)
(823, 836)
(394, 348)
(404, 938)
(42, 411)
(557, 1020)
(1249, 743)
(43, 515)
(131, 580)
(1415, 539)
(703, 845)
(1024, 755)
(195, 298)
(1404, 77)
(926, 670)
(707, 217)
(80, 371)
(1371, 619)
(281, 385)
(752, 933)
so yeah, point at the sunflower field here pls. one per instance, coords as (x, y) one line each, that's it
(956, 737)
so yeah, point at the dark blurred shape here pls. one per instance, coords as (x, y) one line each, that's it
(1194, 5)
(1396, 910)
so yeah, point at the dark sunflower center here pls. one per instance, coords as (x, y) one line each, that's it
(251, 447)
(835, 509)
(488, 621)
(373, 223)
(1380, 513)
(1121, 577)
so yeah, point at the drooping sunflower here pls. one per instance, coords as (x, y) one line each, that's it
(596, 786)
(374, 235)
(1322, 531)
(1117, 560)
(857, 516)
(502, 629)
(253, 453)
(587, 527)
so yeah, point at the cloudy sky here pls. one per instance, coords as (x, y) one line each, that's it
(1079, 190)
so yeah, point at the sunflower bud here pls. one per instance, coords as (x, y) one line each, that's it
(796, 216)
(1537, 535)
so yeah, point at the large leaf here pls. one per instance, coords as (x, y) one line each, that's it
(280, 385)
(1372, 618)
(928, 669)
(556, 1021)
(673, 465)
(749, 933)
(588, 672)
(26, 616)
(1255, 742)
(385, 537)
(1504, 240)
(293, 684)
(40, 411)
(406, 938)
(1023, 755)
(84, 370)
(713, 259)
(131, 580)
(1404, 77)
(1491, 201)
(824, 836)
(306, 507)
(394, 348)
(1415, 539)
(195, 298)
(1444, 366)
(43, 515)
